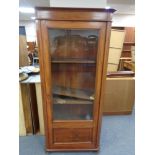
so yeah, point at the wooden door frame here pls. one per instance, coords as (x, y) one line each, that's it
(46, 71)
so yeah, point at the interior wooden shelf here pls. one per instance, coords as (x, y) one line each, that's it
(58, 100)
(73, 61)
(129, 43)
(77, 93)
(126, 50)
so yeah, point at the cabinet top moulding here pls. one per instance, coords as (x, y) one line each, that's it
(73, 14)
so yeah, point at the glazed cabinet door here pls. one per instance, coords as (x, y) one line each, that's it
(73, 55)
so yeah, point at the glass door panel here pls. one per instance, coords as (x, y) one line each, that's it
(73, 68)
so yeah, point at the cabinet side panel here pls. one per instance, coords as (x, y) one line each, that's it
(41, 63)
(47, 81)
(98, 80)
(103, 81)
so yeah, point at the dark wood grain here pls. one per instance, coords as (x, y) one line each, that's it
(72, 135)
(77, 124)
(128, 41)
(73, 61)
(121, 74)
(34, 107)
(130, 34)
(80, 94)
(118, 113)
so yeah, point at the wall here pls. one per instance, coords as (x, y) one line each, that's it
(123, 20)
(30, 29)
(79, 3)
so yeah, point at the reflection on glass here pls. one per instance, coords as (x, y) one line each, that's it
(73, 63)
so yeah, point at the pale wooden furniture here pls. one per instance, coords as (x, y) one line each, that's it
(22, 126)
(115, 49)
(119, 95)
(30, 101)
(29, 121)
(25, 102)
(73, 52)
(23, 53)
(40, 108)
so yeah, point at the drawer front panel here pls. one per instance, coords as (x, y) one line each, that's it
(72, 135)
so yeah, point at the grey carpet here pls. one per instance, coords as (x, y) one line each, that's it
(117, 138)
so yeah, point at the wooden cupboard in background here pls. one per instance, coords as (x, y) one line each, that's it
(28, 109)
(119, 95)
(126, 53)
(23, 52)
(73, 53)
(128, 41)
(115, 49)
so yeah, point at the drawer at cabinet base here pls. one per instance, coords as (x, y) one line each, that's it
(72, 135)
(73, 139)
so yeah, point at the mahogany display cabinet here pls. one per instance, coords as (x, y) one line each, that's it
(73, 52)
